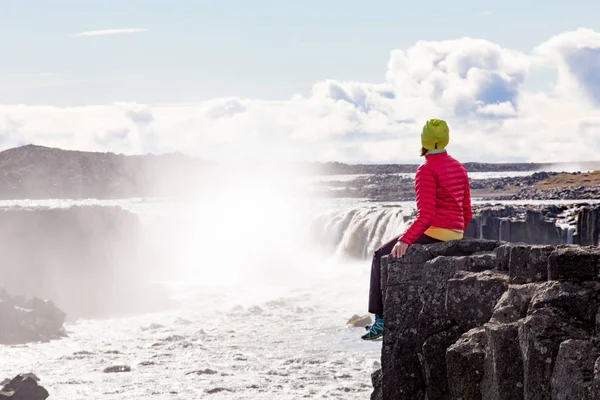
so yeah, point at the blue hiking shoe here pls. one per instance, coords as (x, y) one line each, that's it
(375, 330)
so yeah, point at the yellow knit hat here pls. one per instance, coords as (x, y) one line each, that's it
(435, 135)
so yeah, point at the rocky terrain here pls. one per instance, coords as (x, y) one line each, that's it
(538, 186)
(536, 224)
(581, 186)
(389, 187)
(37, 172)
(485, 319)
(29, 320)
(23, 387)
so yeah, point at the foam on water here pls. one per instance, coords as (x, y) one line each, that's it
(275, 342)
(269, 320)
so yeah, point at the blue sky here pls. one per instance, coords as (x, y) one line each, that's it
(199, 50)
(326, 80)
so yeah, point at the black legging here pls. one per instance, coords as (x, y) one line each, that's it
(375, 294)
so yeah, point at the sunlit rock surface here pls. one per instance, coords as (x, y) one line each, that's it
(484, 319)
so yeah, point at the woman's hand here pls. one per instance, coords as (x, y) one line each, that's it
(399, 249)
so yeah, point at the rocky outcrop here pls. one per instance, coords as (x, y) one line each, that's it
(337, 168)
(560, 193)
(588, 225)
(486, 319)
(386, 186)
(87, 259)
(518, 224)
(29, 320)
(23, 387)
(554, 225)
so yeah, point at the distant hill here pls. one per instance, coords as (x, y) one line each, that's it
(39, 172)
(42, 172)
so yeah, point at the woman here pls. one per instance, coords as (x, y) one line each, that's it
(443, 210)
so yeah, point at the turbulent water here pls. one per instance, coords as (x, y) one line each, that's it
(245, 329)
(248, 343)
(265, 288)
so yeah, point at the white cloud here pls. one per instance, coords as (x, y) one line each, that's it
(475, 84)
(577, 55)
(105, 32)
(458, 75)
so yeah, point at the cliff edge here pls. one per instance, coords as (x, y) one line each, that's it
(485, 319)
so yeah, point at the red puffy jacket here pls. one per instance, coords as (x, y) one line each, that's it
(443, 196)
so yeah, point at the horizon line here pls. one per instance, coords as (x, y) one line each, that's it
(406, 162)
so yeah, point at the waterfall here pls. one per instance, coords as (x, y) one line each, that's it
(357, 232)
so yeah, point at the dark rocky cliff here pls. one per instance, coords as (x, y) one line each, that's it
(484, 319)
(565, 224)
(87, 259)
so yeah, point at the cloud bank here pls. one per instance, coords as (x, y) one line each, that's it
(478, 86)
(106, 32)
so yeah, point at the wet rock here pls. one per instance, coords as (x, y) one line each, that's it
(146, 363)
(218, 390)
(117, 368)
(205, 371)
(174, 338)
(29, 320)
(152, 327)
(376, 382)
(360, 321)
(23, 387)
(574, 370)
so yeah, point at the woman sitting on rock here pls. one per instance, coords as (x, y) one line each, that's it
(443, 199)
